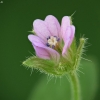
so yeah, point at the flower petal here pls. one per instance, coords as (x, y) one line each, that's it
(53, 53)
(66, 34)
(65, 23)
(68, 37)
(72, 34)
(40, 47)
(41, 52)
(36, 40)
(53, 25)
(69, 33)
(41, 29)
(65, 48)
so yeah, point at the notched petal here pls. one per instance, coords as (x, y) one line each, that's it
(65, 23)
(53, 25)
(41, 29)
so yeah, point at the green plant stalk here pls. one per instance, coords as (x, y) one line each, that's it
(75, 86)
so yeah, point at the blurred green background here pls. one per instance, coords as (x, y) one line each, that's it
(16, 18)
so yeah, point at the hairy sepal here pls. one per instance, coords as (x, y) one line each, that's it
(44, 66)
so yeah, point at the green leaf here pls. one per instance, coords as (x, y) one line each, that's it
(59, 88)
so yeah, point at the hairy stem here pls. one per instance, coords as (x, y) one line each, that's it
(75, 86)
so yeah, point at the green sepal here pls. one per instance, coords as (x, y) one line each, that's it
(44, 66)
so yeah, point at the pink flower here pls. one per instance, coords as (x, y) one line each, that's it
(47, 41)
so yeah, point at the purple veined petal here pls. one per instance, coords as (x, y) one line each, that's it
(41, 52)
(53, 53)
(53, 25)
(68, 38)
(40, 28)
(65, 48)
(72, 34)
(37, 43)
(67, 34)
(65, 23)
(40, 46)
(36, 40)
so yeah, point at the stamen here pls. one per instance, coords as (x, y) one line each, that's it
(52, 41)
(48, 38)
(47, 44)
(58, 39)
(55, 36)
(53, 46)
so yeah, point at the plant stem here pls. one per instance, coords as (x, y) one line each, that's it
(75, 86)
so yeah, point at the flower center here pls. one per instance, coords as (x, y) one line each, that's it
(52, 41)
